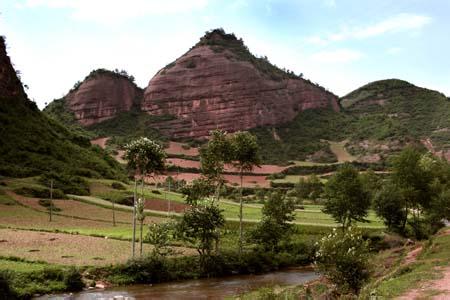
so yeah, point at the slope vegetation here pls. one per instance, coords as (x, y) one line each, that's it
(32, 143)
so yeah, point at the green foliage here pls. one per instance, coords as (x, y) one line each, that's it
(6, 292)
(32, 143)
(118, 186)
(197, 190)
(67, 183)
(24, 285)
(145, 156)
(160, 236)
(343, 258)
(37, 192)
(346, 199)
(389, 204)
(245, 151)
(310, 188)
(217, 152)
(199, 226)
(50, 205)
(73, 279)
(128, 126)
(58, 110)
(303, 136)
(277, 212)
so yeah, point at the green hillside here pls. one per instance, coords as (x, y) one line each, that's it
(31, 143)
(378, 118)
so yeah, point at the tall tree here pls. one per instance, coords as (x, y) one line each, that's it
(245, 158)
(140, 216)
(277, 212)
(213, 157)
(412, 174)
(346, 198)
(145, 157)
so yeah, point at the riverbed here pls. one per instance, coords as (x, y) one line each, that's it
(210, 288)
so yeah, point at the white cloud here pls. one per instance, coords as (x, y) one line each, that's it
(118, 11)
(337, 56)
(394, 24)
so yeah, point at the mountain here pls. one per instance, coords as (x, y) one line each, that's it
(102, 95)
(392, 112)
(218, 83)
(375, 120)
(31, 143)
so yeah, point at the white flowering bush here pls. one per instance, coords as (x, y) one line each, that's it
(342, 256)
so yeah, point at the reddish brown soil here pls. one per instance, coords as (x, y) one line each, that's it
(163, 205)
(100, 142)
(263, 169)
(184, 163)
(248, 181)
(177, 148)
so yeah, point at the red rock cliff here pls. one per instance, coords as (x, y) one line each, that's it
(101, 96)
(219, 84)
(10, 85)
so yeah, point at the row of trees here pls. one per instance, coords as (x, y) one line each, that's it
(200, 224)
(413, 199)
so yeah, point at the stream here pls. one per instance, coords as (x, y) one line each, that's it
(210, 288)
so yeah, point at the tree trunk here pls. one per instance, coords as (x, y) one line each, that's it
(218, 229)
(113, 214)
(240, 216)
(140, 238)
(134, 217)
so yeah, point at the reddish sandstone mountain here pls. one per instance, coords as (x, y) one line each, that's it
(220, 84)
(102, 95)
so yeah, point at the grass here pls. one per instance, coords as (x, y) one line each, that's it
(428, 266)
(21, 265)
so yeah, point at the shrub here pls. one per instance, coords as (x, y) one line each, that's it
(6, 292)
(48, 204)
(343, 258)
(118, 186)
(36, 192)
(69, 184)
(73, 280)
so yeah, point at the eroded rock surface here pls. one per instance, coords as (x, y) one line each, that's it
(216, 87)
(101, 97)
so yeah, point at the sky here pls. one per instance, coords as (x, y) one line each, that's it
(340, 44)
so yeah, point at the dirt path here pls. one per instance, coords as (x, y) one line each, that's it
(439, 287)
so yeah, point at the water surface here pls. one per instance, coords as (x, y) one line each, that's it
(214, 288)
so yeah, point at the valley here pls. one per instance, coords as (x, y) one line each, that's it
(223, 165)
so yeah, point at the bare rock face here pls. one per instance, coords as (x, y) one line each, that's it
(101, 96)
(10, 85)
(220, 84)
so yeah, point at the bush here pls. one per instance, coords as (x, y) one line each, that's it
(36, 192)
(343, 258)
(73, 280)
(118, 186)
(49, 204)
(69, 184)
(6, 292)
